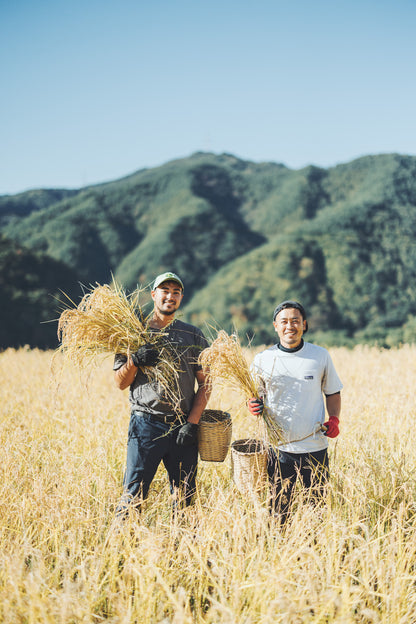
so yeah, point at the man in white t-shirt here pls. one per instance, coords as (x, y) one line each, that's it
(294, 377)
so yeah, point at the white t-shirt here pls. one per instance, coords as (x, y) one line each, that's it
(294, 384)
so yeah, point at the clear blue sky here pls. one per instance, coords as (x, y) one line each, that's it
(93, 90)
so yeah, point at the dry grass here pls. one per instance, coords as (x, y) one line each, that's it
(109, 321)
(63, 454)
(225, 365)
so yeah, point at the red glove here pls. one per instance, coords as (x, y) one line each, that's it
(255, 406)
(332, 427)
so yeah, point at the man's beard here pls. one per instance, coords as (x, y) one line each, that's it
(166, 312)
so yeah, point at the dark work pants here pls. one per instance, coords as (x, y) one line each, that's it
(284, 468)
(149, 443)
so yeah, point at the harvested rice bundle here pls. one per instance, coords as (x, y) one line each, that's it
(109, 321)
(224, 363)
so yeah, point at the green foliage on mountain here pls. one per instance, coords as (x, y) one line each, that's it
(14, 207)
(244, 236)
(31, 296)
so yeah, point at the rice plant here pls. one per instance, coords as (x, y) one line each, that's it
(109, 321)
(225, 365)
(224, 560)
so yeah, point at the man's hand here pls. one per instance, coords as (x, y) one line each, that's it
(187, 434)
(146, 355)
(255, 406)
(332, 427)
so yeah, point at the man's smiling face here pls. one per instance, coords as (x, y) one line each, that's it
(167, 298)
(289, 325)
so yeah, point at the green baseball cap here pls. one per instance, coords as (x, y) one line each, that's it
(167, 277)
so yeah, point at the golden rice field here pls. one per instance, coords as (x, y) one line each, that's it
(221, 562)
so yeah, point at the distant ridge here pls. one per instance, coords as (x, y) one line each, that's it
(243, 236)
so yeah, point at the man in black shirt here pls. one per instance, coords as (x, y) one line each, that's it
(156, 431)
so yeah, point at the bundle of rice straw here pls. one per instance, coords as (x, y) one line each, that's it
(109, 321)
(224, 363)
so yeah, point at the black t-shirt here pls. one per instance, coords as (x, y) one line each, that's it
(148, 396)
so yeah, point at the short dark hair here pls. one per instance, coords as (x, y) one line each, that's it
(291, 304)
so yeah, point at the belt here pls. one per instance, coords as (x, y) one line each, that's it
(168, 419)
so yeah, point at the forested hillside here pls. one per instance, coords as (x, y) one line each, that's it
(242, 236)
(31, 294)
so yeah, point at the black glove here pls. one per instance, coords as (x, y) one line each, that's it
(187, 435)
(146, 355)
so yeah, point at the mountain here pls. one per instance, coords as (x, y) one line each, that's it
(244, 236)
(31, 294)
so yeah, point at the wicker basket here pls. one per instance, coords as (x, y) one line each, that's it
(249, 465)
(214, 435)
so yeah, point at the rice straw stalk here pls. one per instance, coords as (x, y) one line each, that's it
(224, 363)
(108, 321)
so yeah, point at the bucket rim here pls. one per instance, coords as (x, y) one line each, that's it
(250, 446)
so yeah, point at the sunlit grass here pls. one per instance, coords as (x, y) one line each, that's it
(222, 561)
